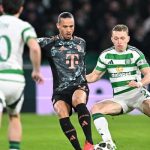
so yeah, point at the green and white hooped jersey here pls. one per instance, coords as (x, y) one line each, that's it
(14, 33)
(122, 67)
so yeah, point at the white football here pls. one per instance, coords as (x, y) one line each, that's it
(103, 146)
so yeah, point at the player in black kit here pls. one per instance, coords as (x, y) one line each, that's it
(66, 54)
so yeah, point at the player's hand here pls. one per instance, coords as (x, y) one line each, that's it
(135, 84)
(37, 77)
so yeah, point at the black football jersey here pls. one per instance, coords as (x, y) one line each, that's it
(67, 60)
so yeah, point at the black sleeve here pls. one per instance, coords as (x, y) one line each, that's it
(43, 41)
(46, 44)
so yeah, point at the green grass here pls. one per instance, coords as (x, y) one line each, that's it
(43, 132)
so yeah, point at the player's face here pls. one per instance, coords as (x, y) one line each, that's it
(120, 40)
(66, 27)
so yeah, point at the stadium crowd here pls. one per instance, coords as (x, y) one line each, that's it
(94, 19)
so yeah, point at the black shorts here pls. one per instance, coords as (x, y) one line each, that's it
(66, 94)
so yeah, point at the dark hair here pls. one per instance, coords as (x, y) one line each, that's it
(12, 6)
(121, 27)
(64, 15)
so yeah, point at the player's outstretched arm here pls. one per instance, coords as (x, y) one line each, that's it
(94, 76)
(35, 57)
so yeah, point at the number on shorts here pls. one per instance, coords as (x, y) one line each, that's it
(145, 93)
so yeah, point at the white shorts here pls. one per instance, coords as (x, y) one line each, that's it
(11, 96)
(132, 99)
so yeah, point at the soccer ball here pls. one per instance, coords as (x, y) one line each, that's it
(103, 146)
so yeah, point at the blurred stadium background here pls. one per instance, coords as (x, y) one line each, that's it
(94, 21)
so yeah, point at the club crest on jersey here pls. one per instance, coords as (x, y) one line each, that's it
(128, 61)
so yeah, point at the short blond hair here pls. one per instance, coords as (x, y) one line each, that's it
(121, 27)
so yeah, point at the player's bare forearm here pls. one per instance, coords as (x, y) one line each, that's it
(94, 76)
(146, 79)
(35, 54)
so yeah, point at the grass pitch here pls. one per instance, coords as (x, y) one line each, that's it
(44, 133)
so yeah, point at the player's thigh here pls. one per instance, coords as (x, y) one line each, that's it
(62, 109)
(79, 96)
(146, 107)
(107, 107)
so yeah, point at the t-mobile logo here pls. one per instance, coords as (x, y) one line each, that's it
(72, 59)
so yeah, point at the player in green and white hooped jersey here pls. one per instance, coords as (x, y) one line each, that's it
(124, 65)
(14, 33)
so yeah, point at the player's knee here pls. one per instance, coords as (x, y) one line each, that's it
(97, 109)
(62, 112)
(146, 107)
(147, 113)
(14, 116)
(62, 109)
(147, 103)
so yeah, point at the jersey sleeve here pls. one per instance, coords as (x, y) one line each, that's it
(141, 62)
(44, 41)
(28, 32)
(41, 41)
(101, 66)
